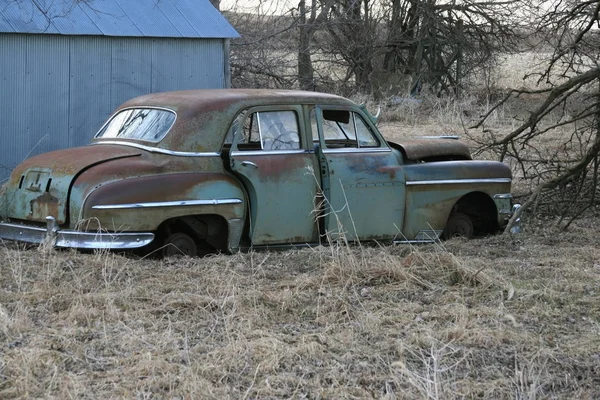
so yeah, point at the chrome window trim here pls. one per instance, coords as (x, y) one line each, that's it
(159, 150)
(139, 108)
(458, 181)
(260, 137)
(183, 203)
(358, 150)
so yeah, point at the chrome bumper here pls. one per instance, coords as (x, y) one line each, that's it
(517, 227)
(506, 209)
(74, 239)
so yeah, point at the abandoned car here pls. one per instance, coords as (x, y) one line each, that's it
(221, 170)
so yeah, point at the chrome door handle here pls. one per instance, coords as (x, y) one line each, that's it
(246, 163)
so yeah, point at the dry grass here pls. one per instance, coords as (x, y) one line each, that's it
(499, 317)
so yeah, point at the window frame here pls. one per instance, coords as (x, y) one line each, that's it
(240, 120)
(113, 116)
(354, 113)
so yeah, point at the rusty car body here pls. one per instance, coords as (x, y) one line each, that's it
(206, 170)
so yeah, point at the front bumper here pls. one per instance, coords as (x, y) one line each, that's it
(517, 227)
(74, 239)
(506, 209)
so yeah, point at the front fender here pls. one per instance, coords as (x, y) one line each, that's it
(434, 188)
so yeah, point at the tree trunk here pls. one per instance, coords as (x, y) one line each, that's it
(305, 67)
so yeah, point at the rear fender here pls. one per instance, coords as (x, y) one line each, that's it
(143, 203)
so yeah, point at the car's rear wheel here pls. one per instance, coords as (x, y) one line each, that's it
(459, 224)
(179, 244)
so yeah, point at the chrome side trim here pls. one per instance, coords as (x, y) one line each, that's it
(458, 181)
(453, 137)
(414, 241)
(75, 239)
(182, 203)
(424, 236)
(239, 152)
(358, 150)
(159, 150)
(503, 196)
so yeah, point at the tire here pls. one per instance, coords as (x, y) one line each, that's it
(460, 225)
(179, 244)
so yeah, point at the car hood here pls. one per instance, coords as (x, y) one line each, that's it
(427, 148)
(39, 186)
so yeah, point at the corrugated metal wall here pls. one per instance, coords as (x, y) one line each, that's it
(56, 91)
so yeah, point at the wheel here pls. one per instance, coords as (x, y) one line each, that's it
(179, 244)
(458, 224)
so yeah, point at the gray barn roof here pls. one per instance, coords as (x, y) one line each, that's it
(137, 18)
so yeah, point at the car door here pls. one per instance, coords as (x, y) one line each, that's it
(365, 190)
(271, 156)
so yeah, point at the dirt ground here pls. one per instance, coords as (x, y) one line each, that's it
(500, 317)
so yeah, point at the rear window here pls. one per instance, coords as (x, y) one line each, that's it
(149, 124)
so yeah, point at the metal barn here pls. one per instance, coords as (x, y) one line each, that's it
(66, 64)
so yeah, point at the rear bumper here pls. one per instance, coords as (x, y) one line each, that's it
(74, 239)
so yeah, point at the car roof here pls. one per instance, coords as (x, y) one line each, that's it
(204, 115)
(210, 99)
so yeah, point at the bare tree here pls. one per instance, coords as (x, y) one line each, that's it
(263, 56)
(432, 42)
(310, 18)
(437, 42)
(556, 146)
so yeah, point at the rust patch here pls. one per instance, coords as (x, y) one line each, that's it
(457, 170)
(416, 149)
(71, 161)
(171, 187)
(43, 206)
(392, 171)
(275, 167)
(365, 162)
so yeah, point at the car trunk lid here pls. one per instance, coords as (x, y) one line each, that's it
(39, 187)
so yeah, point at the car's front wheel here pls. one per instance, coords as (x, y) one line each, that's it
(459, 224)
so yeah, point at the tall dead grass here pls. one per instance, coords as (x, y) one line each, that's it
(494, 318)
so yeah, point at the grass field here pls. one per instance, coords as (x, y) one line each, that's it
(500, 317)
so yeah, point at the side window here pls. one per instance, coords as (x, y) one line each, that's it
(364, 134)
(250, 133)
(270, 130)
(343, 129)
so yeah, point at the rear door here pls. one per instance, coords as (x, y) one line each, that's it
(274, 160)
(364, 190)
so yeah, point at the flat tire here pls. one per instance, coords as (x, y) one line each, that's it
(459, 225)
(179, 244)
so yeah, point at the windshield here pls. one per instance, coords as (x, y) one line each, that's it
(149, 124)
